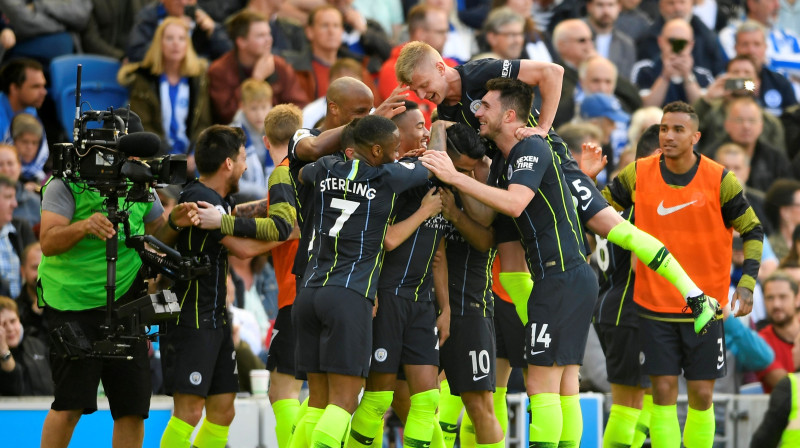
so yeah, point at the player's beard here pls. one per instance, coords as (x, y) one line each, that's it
(233, 185)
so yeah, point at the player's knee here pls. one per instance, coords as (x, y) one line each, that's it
(701, 395)
(478, 404)
(426, 401)
(665, 391)
(222, 416)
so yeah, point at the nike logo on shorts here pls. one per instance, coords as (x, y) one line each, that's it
(720, 364)
(664, 211)
(536, 353)
(478, 378)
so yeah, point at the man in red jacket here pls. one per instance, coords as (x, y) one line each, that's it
(251, 58)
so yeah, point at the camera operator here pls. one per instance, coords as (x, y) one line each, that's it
(197, 351)
(72, 280)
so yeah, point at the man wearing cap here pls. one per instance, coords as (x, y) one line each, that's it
(605, 111)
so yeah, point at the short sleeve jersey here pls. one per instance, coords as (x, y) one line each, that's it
(203, 299)
(353, 202)
(469, 276)
(474, 76)
(615, 304)
(549, 225)
(406, 270)
(304, 196)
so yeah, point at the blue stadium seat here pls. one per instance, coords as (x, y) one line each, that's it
(99, 86)
(751, 389)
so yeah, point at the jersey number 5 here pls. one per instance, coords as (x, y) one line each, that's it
(347, 208)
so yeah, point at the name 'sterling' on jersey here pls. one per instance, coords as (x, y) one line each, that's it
(338, 184)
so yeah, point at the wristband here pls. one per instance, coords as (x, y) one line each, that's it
(172, 224)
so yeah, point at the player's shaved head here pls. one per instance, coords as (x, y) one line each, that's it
(347, 88)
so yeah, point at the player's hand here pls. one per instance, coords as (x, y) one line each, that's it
(431, 202)
(525, 132)
(415, 152)
(443, 326)
(3, 342)
(592, 160)
(204, 21)
(375, 307)
(449, 209)
(185, 214)
(210, 217)
(716, 89)
(439, 163)
(295, 235)
(99, 226)
(745, 298)
(393, 105)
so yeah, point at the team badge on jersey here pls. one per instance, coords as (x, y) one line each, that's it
(195, 378)
(380, 355)
(474, 106)
(407, 165)
(301, 134)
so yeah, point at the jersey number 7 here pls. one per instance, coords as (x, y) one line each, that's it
(347, 208)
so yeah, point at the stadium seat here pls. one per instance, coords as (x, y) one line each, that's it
(99, 86)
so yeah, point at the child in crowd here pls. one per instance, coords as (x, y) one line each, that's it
(27, 131)
(255, 105)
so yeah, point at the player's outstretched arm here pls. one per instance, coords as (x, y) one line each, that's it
(548, 77)
(248, 248)
(478, 236)
(442, 292)
(510, 202)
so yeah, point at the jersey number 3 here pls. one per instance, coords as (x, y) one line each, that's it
(347, 208)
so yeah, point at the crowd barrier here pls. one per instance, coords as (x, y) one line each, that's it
(254, 425)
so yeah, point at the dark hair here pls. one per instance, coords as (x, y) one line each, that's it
(463, 140)
(14, 72)
(742, 57)
(372, 130)
(648, 141)
(215, 144)
(514, 94)
(238, 25)
(781, 276)
(680, 107)
(410, 105)
(780, 194)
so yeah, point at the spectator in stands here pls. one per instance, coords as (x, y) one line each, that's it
(775, 92)
(782, 47)
(744, 125)
(314, 112)
(790, 118)
(255, 105)
(781, 300)
(711, 106)
(324, 32)
(610, 42)
(504, 33)
(388, 14)
(605, 112)
(208, 37)
(15, 235)
(460, 43)
(783, 210)
(425, 24)
(252, 57)
(595, 75)
(27, 133)
(673, 75)
(632, 21)
(22, 89)
(169, 88)
(705, 49)
(28, 199)
(287, 35)
(24, 365)
(537, 44)
(578, 133)
(246, 335)
(42, 30)
(642, 119)
(30, 315)
(109, 26)
(734, 157)
(572, 40)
